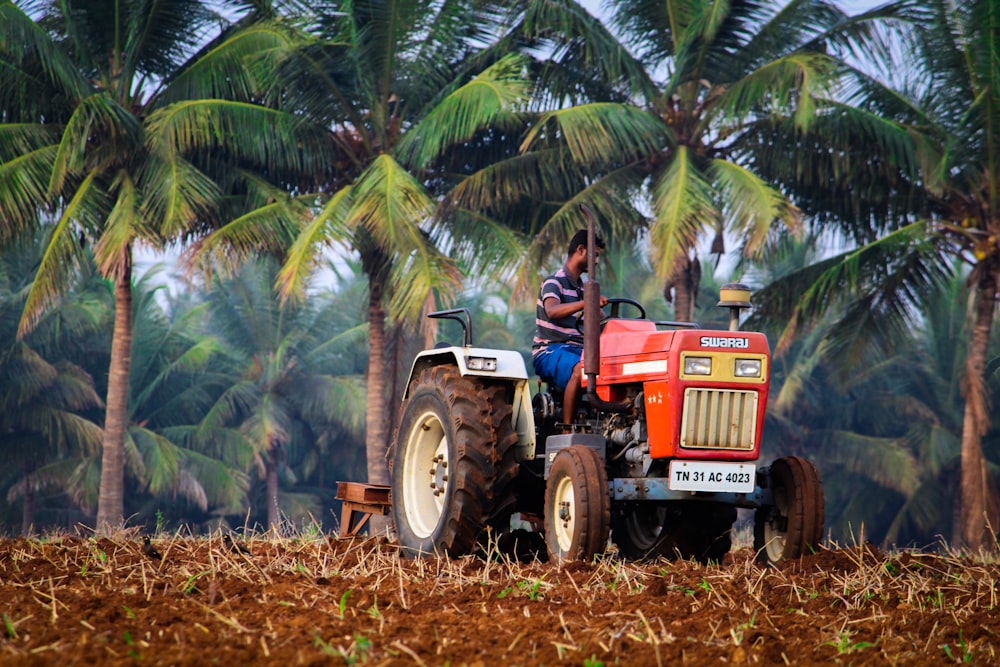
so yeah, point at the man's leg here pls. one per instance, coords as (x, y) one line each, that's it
(571, 396)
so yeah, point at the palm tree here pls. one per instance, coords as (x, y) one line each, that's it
(404, 93)
(171, 464)
(932, 168)
(286, 394)
(102, 111)
(45, 397)
(675, 129)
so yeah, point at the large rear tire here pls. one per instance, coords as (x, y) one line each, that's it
(793, 525)
(577, 505)
(445, 461)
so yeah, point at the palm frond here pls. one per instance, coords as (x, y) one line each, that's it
(794, 82)
(752, 204)
(156, 38)
(327, 227)
(885, 461)
(683, 204)
(267, 229)
(62, 253)
(926, 508)
(113, 251)
(601, 133)
(235, 68)
(224, 488)
(489, 100)
(390, 204)
(585, 54)
(23, 41)
(176, 195)
(264, 137)
(160, 460)
(878, 288)
(97, 114)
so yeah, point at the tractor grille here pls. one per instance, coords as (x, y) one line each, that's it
(719, 419)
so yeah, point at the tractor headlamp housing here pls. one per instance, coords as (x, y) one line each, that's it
(747, 368)
(697, 365)
(481, 363)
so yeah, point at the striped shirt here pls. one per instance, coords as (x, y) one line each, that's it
(563, 287)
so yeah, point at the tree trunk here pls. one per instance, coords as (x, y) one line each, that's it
(980, 512)
(28, 509)
(271, 479)
(685, 282)
(376, 435)
(111, 498)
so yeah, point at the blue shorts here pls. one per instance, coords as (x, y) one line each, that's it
(555, 363)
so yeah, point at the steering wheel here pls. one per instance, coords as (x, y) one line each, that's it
(615, 304)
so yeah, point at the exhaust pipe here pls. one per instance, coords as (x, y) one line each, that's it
(592, 323)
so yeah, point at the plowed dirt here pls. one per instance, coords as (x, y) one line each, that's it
(72, 600)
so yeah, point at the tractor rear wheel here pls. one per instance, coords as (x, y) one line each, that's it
(577, 505)
(793, 525)
(637, 531)
(444, 463)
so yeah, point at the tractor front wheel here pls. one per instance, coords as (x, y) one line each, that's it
(793, 525)
(577, 505)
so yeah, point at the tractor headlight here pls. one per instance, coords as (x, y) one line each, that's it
(697, 365)
(481, 363)
(748, 368)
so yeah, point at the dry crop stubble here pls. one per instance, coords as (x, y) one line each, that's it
(312, 599)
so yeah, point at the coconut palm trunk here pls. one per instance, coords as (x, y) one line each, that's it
(273, 511)
(111, 500)
(685, 282)
(28, 509)
(980, 512)
(376, 441)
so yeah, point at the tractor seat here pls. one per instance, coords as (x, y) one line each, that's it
(547, 403)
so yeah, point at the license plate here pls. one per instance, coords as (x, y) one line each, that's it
(712, 476)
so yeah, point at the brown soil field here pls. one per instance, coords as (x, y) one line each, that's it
(69, 600)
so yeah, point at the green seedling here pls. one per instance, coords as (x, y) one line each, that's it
(9, 626)
(531, 589)
(373, 610)
(966, 656)
(357, 651)
(191, 585)
(343, 603)
(844, 644)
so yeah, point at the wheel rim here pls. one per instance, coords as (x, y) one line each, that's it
(776, 526)
(425, 474)
(565, 514)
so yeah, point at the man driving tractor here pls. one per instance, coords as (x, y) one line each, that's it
(558, 343)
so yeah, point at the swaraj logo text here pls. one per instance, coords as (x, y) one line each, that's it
(719, 341)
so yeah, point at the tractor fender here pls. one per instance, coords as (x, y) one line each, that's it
(509, 368)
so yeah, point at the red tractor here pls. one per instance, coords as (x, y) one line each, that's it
(662, 454)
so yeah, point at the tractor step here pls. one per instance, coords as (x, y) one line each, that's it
(360, 502)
